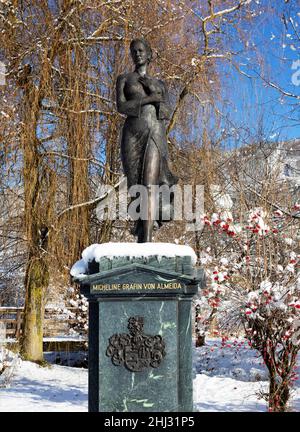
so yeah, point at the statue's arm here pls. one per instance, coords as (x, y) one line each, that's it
(131, 107)
(164, 109)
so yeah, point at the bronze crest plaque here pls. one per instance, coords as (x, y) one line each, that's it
(136, 351)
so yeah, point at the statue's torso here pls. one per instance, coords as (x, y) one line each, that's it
(133, 89)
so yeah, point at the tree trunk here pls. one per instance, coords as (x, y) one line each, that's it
(36, 281)
(279, 394)
(38, 194)
(279, 389)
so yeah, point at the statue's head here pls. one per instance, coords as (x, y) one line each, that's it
(140, 51)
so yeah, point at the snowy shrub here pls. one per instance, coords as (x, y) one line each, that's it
(254, 284)
(79, 313)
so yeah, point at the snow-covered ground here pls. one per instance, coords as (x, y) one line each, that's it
(227, 377)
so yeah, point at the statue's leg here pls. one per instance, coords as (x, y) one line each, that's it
(150, 177)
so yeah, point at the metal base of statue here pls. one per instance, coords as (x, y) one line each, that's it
(140, 337)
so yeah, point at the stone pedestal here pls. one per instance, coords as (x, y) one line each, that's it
(140, 347)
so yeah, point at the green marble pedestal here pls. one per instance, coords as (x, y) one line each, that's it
(158, 292)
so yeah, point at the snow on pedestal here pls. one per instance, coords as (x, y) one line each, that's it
(131, 250)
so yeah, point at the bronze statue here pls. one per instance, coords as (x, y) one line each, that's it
(144, 149)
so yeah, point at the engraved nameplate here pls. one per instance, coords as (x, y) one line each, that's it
(155, 286)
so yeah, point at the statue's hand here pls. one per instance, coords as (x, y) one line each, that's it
(149, 84)
(156, 97)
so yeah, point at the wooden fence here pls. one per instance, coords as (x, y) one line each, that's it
(55, 323)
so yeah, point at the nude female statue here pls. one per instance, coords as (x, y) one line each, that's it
(144, 150)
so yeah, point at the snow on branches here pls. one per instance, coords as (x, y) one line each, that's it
(79, 312)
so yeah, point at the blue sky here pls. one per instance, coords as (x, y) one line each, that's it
(272, 53)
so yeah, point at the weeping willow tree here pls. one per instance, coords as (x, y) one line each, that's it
(63, 59)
